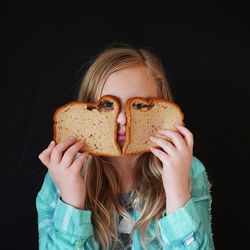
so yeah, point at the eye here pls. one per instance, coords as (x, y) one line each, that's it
(108, 105)
(145, 106)
(137, 105)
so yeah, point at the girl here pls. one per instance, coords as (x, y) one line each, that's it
(155, 200)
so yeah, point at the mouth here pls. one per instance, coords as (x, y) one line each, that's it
(121, 136)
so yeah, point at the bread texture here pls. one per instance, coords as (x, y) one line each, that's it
(145, 118)
(95, 123)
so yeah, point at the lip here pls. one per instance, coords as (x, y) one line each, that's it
(121, 135)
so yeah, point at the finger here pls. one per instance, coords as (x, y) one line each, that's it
(168, 147)
(57, 152)
(78, 163)
(45, 155)
(187, 134)
(69, 155)
(162, 156)
(174, 136)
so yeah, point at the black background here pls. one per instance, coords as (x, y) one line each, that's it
(204, 50)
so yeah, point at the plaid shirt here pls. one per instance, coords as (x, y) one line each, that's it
(62, 226)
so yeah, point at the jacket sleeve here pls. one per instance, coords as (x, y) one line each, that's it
(61, 226)
(190, 226)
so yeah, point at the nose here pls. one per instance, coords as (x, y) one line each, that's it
(121, 119)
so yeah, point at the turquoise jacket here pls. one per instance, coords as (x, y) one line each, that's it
(62, 226)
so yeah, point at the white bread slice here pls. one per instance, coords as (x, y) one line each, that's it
(145, 118)
(95, 123)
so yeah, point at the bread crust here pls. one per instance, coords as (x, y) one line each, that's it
(128, 117)
(128, 106)
(94, 105)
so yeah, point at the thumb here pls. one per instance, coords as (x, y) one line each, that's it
(45, 155)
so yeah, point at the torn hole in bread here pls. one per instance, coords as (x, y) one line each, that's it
(91, 107)
(137, 105)
(105, 105)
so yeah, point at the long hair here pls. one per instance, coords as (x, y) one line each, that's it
(101, 179)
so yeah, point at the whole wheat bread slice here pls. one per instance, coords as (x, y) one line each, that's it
(145, 118)
(95, 123)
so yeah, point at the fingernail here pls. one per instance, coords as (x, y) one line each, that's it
(52, 143)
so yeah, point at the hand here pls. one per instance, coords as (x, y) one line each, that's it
(65, 170)
(176, 157)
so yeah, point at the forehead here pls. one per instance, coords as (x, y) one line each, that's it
(129, 82)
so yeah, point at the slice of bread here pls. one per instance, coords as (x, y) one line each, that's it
(95, 123)
(145, 118)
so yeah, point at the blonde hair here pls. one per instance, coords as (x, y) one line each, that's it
(101, 178)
